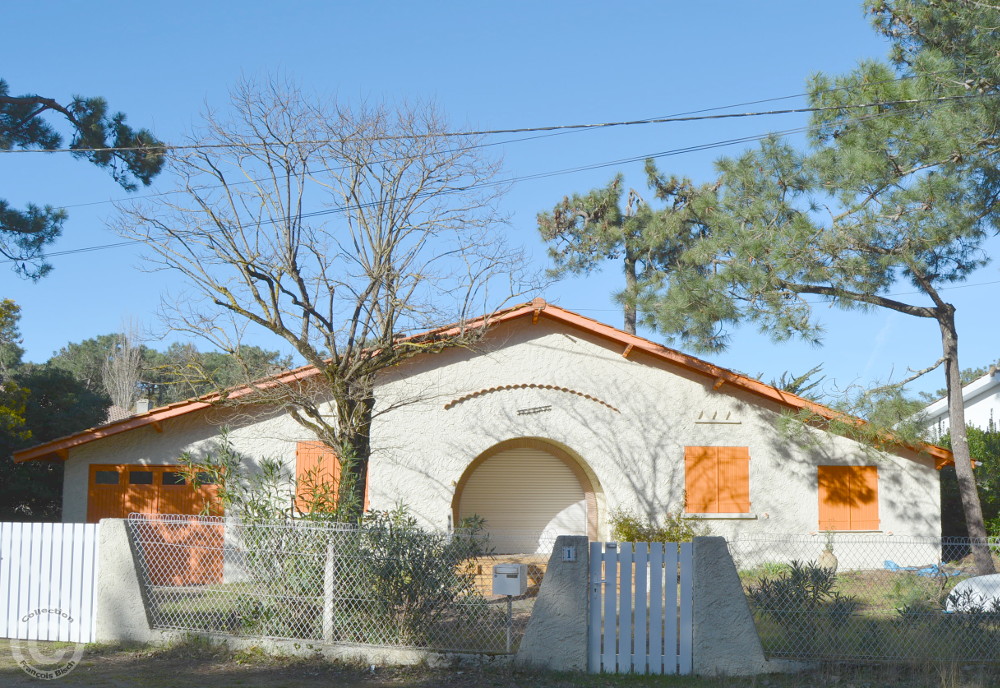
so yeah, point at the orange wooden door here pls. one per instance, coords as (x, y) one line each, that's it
(184, 552)
(175, 551)
(105, 493)
(141, 491)
(176, 495)
(187, 552)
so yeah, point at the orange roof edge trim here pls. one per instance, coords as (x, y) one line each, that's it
(942, 456)
(535, 309)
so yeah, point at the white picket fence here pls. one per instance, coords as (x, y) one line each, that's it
(48, 576)
(640, 608)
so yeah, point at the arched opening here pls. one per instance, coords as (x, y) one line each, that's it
(528, 491)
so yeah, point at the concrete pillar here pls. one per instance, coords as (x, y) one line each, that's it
(121, 607)
(556, 637)
(725, 637)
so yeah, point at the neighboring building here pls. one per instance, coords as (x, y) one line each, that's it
(981, 399)
(552, 422)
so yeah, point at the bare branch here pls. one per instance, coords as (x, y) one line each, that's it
(336, 248)
(122, 371)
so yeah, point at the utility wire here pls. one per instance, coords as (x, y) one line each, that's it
(509, 141)
(514, 180)
(381, 161)
(516, 130)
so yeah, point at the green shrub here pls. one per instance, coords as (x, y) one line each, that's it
(916, 593)
(767, 569)
(840, 608)
(803, 602)
(627, 526)
(416, 576)
(803, 587)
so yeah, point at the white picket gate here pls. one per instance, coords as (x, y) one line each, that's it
(48, 576)
(640, 608)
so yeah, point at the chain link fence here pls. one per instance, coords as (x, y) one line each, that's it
(330, 582)
(870, 597)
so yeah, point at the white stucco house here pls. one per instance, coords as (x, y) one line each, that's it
(981, 399)
(549, 424)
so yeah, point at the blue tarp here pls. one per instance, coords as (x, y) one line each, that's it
(932, 571)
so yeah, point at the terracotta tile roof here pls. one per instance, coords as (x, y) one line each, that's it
(536, 309)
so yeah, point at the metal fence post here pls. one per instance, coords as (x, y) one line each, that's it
(328, 590)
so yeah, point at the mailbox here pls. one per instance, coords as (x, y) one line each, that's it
(510, 579)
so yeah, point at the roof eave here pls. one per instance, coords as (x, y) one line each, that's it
(537, 308)
(942, 457)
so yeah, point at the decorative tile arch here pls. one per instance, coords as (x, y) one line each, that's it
(529, 385)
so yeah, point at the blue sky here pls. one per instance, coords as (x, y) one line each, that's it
(488, 65)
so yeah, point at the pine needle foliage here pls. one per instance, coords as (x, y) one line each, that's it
(131, 156)
(895, 196)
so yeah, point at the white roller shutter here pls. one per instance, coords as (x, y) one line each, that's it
(527, 496)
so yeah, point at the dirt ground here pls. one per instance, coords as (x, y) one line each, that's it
(196, 665)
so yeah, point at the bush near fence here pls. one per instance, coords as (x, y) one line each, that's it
(386, 583)
(886, 600)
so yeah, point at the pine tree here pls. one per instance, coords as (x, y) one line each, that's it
(102, 138)
(583, 232)
(902, 191)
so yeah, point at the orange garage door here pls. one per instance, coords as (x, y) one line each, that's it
(175, 553)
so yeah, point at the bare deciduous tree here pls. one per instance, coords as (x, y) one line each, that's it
(338, 230)
(122, 372)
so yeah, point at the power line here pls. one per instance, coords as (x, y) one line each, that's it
(530, 177)
(508, 141)
(514, 180)
(208, 187)
(516, 130)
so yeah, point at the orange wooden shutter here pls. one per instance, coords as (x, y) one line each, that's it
(864, 490)
(734, 480)
(315, 465)
(717, 480)
(368, 480)
(848, 497)
(834, 483)
(701, 480)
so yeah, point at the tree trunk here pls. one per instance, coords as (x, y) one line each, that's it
(628, 302)
(960, 445)
(355, 418)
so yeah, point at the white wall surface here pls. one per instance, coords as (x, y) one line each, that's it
(635, 453)
(982, 406)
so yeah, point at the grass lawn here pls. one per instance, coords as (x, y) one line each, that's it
(474, 622)
(196, 664)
